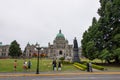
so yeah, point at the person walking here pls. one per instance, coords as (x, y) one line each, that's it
(54, 64)
(25, 65)
(29, 65)
(15, 65)
(59, 65)
(90, 67)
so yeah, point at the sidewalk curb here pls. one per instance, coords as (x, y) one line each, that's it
(57, 74)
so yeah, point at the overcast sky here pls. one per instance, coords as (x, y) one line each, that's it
(40, 20)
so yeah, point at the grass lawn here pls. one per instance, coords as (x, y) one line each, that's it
(112, 68)
(6, 65)
(108, 67)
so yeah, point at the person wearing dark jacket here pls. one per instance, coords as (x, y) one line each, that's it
(59, 66)
(88, 67)
(54, 64)
(29, 65)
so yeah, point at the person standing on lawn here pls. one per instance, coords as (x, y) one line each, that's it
(54, 64)
(90, 67)
(15, 65)
(59, 65)
(29, 65)
(25, 65)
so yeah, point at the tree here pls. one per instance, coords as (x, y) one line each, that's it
(89, 49)
(117, 52)
(103, 36)
(105, 55)
(15, 50)
(109, 25)
(116, 29)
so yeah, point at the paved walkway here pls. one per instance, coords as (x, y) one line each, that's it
(18, 74)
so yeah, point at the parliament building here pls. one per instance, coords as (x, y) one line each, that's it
(59, 48)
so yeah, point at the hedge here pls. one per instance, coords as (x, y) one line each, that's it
(79, 67)
(84, 67)
(98, 67)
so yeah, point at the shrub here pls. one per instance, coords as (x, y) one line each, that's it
(98, 67)
(81, 65)
(62, 58)
(66, 62)
(77, 66)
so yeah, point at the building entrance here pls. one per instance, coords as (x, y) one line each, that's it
(60, 52)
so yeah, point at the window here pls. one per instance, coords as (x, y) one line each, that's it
(3, 54)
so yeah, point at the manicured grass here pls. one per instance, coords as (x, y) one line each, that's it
(6, 65)
(111, 67)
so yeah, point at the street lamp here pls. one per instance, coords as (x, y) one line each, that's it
(38, 48)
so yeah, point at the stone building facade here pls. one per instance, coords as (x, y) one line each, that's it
(60, 47)
(31, 51)
(4, 50)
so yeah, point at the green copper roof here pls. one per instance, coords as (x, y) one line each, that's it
(60, 35)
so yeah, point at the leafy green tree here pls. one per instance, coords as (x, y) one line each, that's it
(89, 49)
(15, 50)
(105, 55)
(117, 53)
(116, 29)
(109, 25)
(103, 36)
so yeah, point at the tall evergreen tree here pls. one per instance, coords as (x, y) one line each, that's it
(115, 26)
(104, 28)
(15, 50)
(109, 25)
(103, 37)
(88, 43)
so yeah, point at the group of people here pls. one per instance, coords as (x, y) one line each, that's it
(56, 65)
(26, 65)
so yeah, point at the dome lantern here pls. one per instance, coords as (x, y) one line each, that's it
(60, 35)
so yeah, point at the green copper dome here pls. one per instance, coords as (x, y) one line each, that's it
(60, 35)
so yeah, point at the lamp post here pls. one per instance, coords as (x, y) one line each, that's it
(38, 48)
